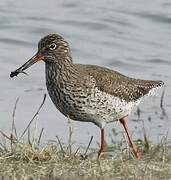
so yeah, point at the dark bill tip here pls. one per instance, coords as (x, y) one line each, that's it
(26, 65)
(14, 73)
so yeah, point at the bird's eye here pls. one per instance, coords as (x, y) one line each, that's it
(52, 46)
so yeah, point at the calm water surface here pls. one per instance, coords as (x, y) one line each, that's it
(133, 37)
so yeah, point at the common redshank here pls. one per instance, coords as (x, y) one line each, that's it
(88, 93)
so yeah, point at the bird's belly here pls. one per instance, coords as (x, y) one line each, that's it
(103, 107)
(98, 107)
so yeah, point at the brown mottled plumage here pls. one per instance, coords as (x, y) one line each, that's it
(88, 92)
(112, 82)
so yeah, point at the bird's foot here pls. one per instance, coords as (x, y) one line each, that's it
(101, 155)
(139, 154)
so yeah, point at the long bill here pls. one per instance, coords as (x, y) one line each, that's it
(37, 57)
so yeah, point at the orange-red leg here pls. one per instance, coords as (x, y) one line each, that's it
(102, 143)
(132, 144)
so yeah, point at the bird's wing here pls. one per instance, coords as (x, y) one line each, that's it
(116, 84)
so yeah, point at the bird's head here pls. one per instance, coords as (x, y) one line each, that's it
(51, 49)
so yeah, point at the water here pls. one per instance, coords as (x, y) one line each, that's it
(129, 36)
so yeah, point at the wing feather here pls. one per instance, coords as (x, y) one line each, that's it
(116, 84)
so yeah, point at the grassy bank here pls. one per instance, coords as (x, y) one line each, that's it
(27, 161)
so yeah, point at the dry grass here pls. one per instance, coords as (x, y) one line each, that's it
(25, 161)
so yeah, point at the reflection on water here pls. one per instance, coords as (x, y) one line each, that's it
(129, 36)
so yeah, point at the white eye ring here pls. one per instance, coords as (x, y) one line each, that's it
(52, 46)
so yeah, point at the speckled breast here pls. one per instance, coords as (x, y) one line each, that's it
(97, 107)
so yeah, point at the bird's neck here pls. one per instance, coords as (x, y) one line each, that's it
(62, 69)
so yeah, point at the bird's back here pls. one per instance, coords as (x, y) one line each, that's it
(118, 85)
